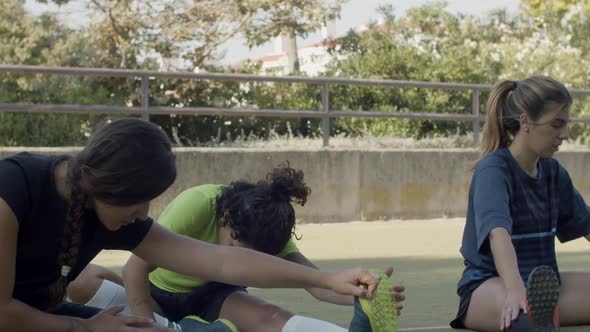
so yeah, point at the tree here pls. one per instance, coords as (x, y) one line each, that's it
(195, 29)
(557, 8)
(291, 18)
(432, 44)
(428, 44)
(25, 39)
(563, 19)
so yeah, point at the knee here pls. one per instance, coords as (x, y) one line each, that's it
(82, 289)
(273, 316)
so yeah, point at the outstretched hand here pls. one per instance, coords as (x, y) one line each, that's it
(515, 302)
(348, 282)
(109, 321)
(396, 292)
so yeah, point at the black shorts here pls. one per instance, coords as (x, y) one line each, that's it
(464, 300)
(75, 310)
(205, 301)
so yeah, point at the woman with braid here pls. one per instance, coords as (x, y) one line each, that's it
(258, 216)
(58, 212)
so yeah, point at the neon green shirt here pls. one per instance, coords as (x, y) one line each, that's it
(192, 214)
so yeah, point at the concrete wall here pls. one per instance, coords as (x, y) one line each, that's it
(351, 184)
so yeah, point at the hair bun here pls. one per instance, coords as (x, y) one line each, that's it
(279, 192)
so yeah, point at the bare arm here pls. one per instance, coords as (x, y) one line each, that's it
(321, 294)
(239, 266)
(505, 258)
(137, 287)
(16, 316)
(507, 267)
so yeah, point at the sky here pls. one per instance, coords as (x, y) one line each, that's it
(354, 13)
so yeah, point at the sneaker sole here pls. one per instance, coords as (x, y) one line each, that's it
(542, 295)
(381, 309)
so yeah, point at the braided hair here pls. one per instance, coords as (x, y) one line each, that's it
(127, 162)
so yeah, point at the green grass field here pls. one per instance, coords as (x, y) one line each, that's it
(424, 254)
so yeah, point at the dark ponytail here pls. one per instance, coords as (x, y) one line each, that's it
(495, 133)
(509, 100)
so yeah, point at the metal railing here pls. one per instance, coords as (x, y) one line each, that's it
(326, 113)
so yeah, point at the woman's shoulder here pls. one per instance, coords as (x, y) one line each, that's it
(498, 160)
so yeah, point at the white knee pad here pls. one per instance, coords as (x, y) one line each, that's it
(111, 294)
(301, 323)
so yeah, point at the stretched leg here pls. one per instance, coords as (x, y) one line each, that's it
(574, 299)
(542, 298)
(251, 314)
(85, 286)
(102, 288)
(485, 307)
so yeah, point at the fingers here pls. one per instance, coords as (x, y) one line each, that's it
(515, 312)
(508, 317)
(505, 318)
(397, 296)
(509, 314)
(397, 288)
(113, 311)
(370, 279)
(523, 307)
(367, 277)
(357, 291)
(389, 271)
(136, 321)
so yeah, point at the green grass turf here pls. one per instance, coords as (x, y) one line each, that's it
(430, 283)
(424, 253)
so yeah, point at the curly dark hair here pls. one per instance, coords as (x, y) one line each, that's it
(261, 214)
(127, 162)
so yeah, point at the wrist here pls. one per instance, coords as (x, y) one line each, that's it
(321, 279)
(142, 307)
(514, 285)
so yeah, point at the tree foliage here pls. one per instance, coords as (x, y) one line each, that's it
(428, 43)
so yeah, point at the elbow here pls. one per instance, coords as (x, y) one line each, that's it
(134, 267)
(129, 269)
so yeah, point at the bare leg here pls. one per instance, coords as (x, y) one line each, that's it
(574, 299)
(487, 300)
(251, 314)
(486, 305)
(83, 288)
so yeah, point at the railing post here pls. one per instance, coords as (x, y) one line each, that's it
(475, 112)
(326, 117)
(145, 101)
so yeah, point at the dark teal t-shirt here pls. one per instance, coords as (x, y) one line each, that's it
(534, 210)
